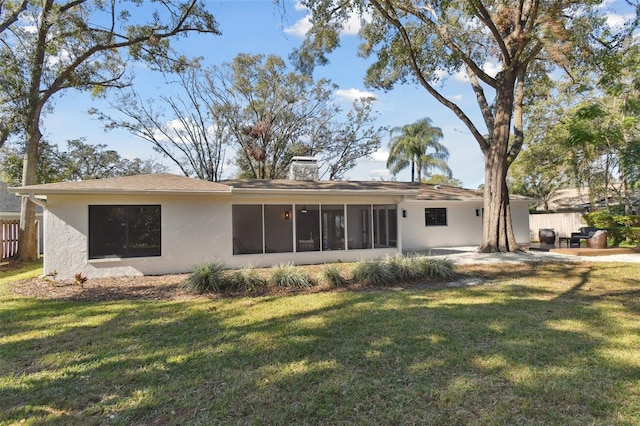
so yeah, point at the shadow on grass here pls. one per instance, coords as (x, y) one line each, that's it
(546, 345)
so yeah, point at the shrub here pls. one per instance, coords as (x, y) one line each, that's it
(286, 275)
(248, 279)
(429, 267)
(373, 272)
(332, 275)
(207, 278)
(402, 268)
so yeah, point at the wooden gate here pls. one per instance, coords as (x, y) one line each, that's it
(10, 231)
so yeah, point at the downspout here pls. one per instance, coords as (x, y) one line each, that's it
(37, 201)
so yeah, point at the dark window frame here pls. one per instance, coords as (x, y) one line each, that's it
(124, 231)
(435, 216)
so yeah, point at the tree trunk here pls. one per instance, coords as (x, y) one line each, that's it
(497, 230)
(28, 240)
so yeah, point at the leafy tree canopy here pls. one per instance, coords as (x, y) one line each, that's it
(81, 161)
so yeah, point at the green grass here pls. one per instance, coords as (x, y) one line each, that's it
(534, 344)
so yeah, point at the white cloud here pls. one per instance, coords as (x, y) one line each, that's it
(352, 94)
(491, 68)
(303, 25)
(457, 97)
(615, 20)
(461, 76)
(380, 155)
(300, 28)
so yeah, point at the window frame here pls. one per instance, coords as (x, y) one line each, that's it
(98, 228)
(437, 216)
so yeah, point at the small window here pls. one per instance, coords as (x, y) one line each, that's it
(124, 231)
(435, 217)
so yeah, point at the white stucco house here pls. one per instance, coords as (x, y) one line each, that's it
(163, 223)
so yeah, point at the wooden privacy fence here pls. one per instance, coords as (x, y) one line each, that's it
(10, 232)
(562, 223)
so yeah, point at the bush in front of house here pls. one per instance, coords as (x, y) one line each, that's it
(286, 275)
(248, 280)
(375, 272)
(431, 268)
(208, 277)
(403, 268)
(332, 275)
(399, 268)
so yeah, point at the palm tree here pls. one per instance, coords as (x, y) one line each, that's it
(409, 145)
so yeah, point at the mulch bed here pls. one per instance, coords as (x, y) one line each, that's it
(168, 287)
(165, 287)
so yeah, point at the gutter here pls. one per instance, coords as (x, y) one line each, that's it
(37, 201)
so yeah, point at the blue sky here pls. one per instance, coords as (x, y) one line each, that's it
(257, 26)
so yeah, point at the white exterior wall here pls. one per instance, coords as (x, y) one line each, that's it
(464, 227)
(195, 229)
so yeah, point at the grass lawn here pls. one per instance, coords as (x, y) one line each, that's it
(543, 344)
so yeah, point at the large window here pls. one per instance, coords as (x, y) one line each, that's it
(278, 229)
(247, 229)
(124, 231)
(333, 227)
(435, 217)
(385, 226)
(308, 227)
(359, 226)
(285, 228)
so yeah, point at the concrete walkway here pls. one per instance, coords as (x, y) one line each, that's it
(469, 255)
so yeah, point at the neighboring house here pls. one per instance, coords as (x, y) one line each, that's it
(577, 200)
(10, 206)
(160, 224)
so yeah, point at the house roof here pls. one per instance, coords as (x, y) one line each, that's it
(418, 190)
(168, 183)
(9, 203)
(151, 183)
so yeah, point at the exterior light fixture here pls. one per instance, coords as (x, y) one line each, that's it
(304, 209)
(287, 214)
(404, 213)
(478, 212)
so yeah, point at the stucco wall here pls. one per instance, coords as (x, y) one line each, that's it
(195, 229)
(464, 226)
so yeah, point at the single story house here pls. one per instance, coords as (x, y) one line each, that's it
(163, 223)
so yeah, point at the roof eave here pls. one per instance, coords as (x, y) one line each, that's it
(299, 191)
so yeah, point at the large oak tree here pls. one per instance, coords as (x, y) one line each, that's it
(49, 46)
(420, 41)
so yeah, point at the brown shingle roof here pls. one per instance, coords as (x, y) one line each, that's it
(420, 191)
(168, 183)
(164, 182)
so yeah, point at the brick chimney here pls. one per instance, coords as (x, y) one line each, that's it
(303, 168)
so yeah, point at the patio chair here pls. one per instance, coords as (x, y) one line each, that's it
(584, 234)
(598, 240)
